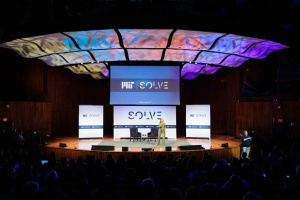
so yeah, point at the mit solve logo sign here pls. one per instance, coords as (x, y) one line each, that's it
(149, 115)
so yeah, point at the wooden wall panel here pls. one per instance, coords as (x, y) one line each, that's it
(261, 116)
(217, 154)
(66, 91)
(256, 116)
(290, 111)
(29, 116)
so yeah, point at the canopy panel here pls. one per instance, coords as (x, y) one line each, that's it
(86, 52)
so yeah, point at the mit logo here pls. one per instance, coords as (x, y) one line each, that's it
(127, 85)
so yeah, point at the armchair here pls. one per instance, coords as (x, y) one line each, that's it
(153, 134)
(134, 134)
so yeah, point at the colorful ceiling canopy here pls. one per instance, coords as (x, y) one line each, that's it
(88, 52)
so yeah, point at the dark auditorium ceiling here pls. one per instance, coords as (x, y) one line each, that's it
(86, 35)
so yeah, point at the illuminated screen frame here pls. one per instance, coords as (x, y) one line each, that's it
(171, 95)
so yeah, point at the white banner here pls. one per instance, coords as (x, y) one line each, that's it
(90, 121)
(144, 118)
(198, 121)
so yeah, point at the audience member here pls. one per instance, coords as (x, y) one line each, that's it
(147, 189)
(166, 177)
(30, 190)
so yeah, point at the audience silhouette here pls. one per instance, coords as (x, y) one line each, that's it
(272, 173)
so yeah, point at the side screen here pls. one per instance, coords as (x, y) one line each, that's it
(198, 121)
(90, 121)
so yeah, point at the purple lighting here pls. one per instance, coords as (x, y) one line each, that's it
(191, 71)
(211, 57)
(109, 45)
(234, 61)
(209, 70)
(106, 73)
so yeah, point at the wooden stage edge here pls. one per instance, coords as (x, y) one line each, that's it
(73, 152)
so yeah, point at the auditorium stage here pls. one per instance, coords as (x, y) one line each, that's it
(75, 147)
(85, 144)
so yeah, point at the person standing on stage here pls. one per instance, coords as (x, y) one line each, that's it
(161, 132)
(246, 142)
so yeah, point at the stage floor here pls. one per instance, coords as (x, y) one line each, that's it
(85, 144)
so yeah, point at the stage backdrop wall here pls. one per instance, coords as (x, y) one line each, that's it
(198, 121)
(143, 118)
(90, 121)
(30, 80)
